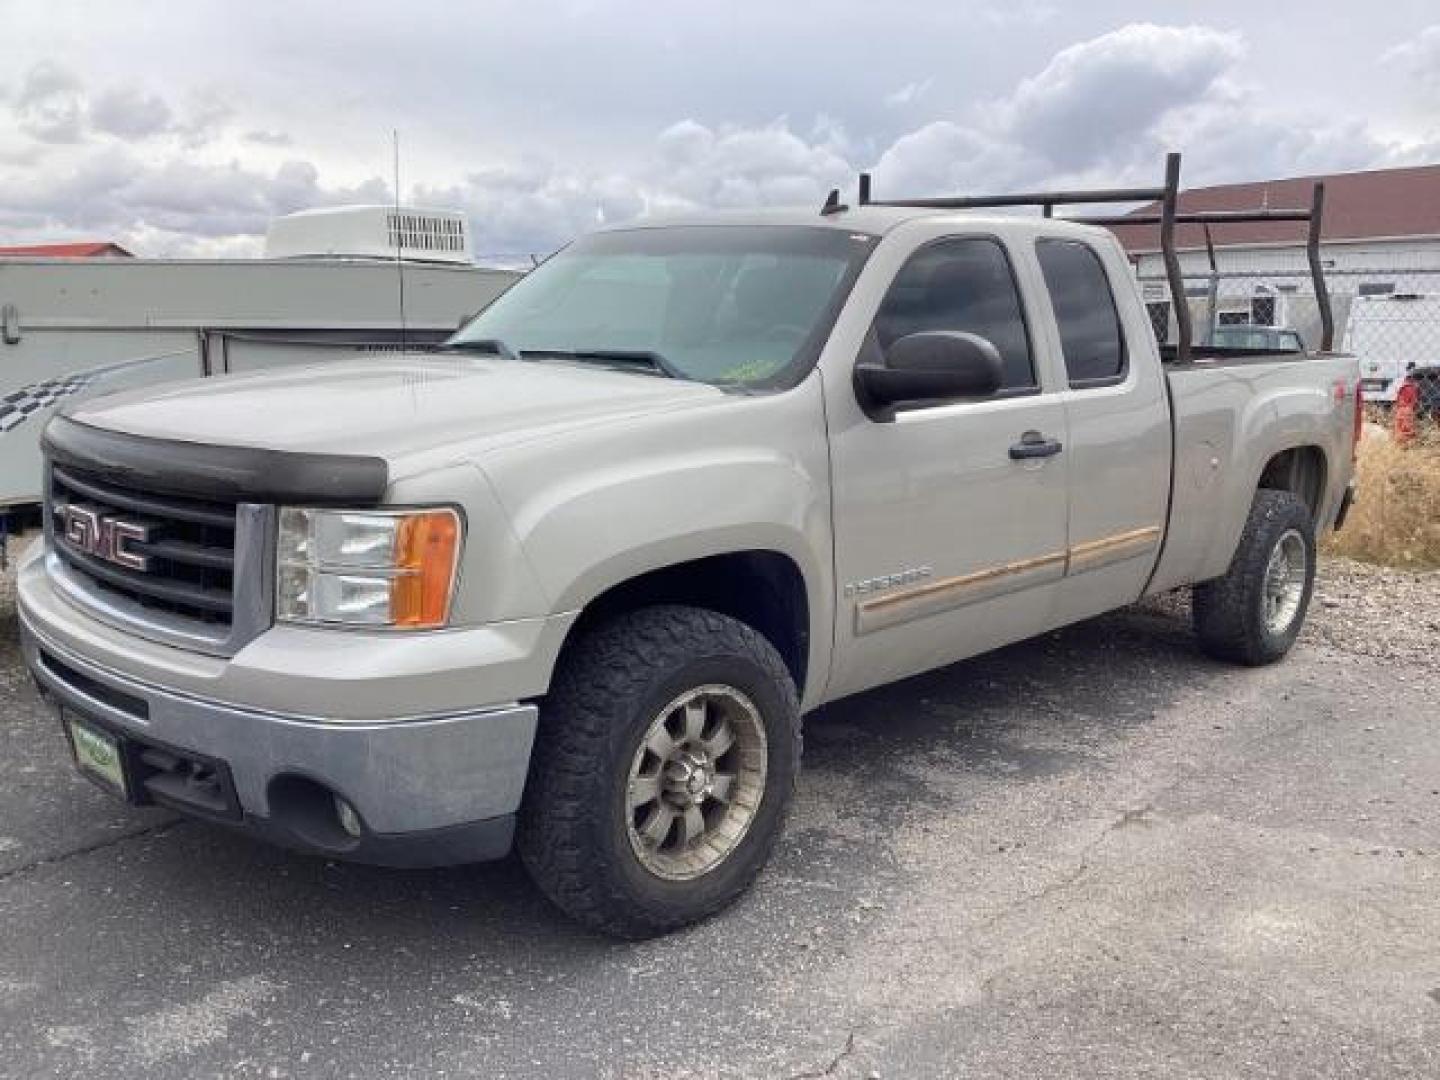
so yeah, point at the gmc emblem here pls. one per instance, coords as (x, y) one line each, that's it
(105, 536)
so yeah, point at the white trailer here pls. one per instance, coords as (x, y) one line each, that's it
(1392, 334)
(73, 328)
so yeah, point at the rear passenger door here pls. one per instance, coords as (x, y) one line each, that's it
(1119, 425)
(946, 545)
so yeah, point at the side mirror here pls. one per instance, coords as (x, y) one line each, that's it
(934, 365)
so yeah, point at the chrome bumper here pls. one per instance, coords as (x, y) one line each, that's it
(427, 791)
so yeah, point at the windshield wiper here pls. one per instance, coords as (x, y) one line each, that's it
(644, 358)
(652, 362)
(485, 345)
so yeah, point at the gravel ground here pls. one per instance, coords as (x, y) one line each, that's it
(1096, 853)
(1360, 609)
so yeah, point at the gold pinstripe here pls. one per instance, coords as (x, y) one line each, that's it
(934, 597)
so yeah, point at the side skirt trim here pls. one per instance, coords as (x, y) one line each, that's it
(1093, 554)
(936, 597)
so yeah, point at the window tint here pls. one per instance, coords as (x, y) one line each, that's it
(960, 285)
(734, 305)
(1090, 334)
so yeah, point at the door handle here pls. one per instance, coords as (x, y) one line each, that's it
(1032, 444)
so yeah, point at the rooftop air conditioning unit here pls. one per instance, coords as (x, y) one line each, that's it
(371, 232)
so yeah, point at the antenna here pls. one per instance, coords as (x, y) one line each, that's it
(398, 233)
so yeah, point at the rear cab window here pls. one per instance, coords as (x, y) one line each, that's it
(964, 284)
(1092, 339)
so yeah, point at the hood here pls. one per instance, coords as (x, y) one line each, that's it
(390, 408)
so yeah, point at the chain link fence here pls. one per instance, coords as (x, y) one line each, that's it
(1388, 317)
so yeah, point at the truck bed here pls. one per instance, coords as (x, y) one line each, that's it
(1228, 356)
(1223, 410)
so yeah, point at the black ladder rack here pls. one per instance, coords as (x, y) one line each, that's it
(1170, 215)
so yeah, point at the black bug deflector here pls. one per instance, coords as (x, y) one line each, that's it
(221, 473)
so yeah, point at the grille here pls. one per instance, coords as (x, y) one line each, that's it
(189, 546)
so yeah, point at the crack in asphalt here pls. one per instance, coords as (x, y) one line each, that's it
(88, 849)
(1136, 814)
(829, 1070)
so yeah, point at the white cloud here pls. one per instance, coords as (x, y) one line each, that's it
(55, 106)
(266, 137)
(1095, 99)
(50, 106)
(1419, 57)
(198, 172)
(908, 94)
(740, 167)
(1024, 13)
(945, 157)
(171, 207)
(1105, 111)
(129, 112)
(206, 115)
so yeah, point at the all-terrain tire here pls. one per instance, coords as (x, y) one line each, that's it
(573, 834)
(1230, 612)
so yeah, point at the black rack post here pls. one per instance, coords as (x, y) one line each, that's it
(1170, 215)
(1184, 331)
(1317, 269)
(1212, 291)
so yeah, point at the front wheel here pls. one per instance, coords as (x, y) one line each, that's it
(665, 760)
(1254, 613)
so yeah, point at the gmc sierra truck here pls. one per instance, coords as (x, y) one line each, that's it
(572, 584)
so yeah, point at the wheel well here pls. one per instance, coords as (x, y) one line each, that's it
(762, 589)
(1300, 470)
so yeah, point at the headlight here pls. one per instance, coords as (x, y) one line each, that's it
(367, 568)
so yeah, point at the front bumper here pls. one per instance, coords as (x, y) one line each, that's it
(428, 791)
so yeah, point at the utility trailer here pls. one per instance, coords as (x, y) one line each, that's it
(326, 289)
(1395, 334)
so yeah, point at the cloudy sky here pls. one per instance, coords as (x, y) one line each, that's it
(182, 128)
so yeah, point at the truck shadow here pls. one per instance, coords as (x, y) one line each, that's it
(481, 943)
(872, 763)
(1028, 710)
(921, 746)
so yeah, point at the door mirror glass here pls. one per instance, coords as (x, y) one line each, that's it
(931, 366)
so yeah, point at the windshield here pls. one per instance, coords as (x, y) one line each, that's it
(716, 304)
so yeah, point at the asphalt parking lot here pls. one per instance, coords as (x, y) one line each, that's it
(1092, 854)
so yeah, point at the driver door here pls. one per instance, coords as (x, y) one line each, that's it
(946, 544)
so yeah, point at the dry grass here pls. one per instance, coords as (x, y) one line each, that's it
(1396, 517)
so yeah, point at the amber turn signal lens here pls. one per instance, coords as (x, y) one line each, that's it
(425, 562)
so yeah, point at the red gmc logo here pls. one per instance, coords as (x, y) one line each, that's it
(105, 536)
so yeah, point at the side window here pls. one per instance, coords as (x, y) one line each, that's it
(961, 285)
(1090, 333)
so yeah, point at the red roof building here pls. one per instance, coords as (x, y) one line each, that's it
(1382, 204)
(100, 249)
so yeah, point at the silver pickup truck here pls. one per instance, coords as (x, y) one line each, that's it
(573, 583)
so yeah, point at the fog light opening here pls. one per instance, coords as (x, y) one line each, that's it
(316, 814)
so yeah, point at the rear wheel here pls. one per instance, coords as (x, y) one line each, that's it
(665, 760)
(1255, 612)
